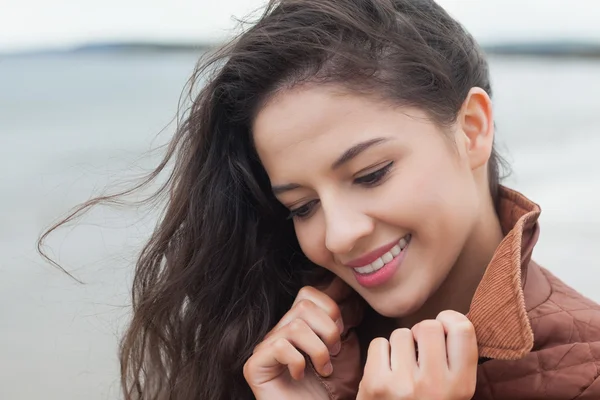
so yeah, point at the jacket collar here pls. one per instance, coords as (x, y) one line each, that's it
(498, 310)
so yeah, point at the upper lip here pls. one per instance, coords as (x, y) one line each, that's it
(371, 256)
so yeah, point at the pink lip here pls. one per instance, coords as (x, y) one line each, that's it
(384, 274)
(372, 256)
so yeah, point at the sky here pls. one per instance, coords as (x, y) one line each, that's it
(41, 24)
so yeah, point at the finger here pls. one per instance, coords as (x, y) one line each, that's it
(323, 301)
(378, 359)
(403, 356)
(320, 299)
(299, 334)
(461, 341)
(431, 345)
(318, 321)
(348, 301)
(281, 352)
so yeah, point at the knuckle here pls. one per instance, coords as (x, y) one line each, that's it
(320, 300)
(297, 326)
(306, 292)
(429, 385)
(332, 309)
(320, 358)
(455, 321)
(323, 353)
(451, 315)
(428, 327)
(376, 388)
(401, 334)
(465, 328)
(377, 342)
(432, 390)
(279, 344)
(331, 339)
(248, 369)
(405, 390)
(305, 306)
(331, 335)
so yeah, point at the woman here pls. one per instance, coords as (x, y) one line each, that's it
(336, 227)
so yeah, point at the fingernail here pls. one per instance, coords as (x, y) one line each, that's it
(336, 349)
(328, 369)
(340, 325)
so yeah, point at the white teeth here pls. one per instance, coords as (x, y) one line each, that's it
(402, 243)
(377, 263)
(387, 257)
(384, 259)
(367, 269)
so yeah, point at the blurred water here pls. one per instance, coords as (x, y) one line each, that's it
(69, 125)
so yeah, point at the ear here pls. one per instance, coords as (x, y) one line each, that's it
(476, 122)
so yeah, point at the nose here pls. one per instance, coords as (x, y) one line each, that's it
(345, 226)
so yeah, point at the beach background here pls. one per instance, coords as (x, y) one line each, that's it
(81, 114)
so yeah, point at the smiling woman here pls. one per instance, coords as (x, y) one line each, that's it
(399, 172)
(336, 228)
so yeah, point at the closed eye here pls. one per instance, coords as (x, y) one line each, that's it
(303, 211)
(373, 178)
(369, 180)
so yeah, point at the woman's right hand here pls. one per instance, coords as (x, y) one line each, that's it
(444, 369)
(313, 326)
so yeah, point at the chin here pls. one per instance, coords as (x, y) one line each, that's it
(396, 308)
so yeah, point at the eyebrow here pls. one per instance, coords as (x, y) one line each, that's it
(355, 150)
(346, 156)
(279, 189)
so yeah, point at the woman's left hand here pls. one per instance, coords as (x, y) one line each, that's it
(445, 368)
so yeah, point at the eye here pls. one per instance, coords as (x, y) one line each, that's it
(374, 177)
(303, 211)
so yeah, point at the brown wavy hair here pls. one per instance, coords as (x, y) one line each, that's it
(223, 264)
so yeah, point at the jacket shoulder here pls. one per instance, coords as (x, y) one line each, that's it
(565, 317)
(567, 338)
(564, 362)
(592, 391)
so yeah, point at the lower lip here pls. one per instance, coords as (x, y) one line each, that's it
(383, 274)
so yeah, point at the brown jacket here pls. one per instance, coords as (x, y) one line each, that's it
(537, 337)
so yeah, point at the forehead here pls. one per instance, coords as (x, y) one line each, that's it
(296, 115)
(304, 120)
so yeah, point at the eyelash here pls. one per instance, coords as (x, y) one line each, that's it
(370, 180)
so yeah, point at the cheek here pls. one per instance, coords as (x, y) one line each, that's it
(448, 206)
(436, 200)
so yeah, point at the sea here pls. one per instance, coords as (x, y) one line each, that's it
(73, 126)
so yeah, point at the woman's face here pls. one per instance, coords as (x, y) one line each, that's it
(379, 196)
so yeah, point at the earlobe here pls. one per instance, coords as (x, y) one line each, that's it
(476, 121)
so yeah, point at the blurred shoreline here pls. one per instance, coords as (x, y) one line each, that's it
(77, 122)
(545, 49)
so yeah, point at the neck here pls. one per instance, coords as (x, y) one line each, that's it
(457, 290)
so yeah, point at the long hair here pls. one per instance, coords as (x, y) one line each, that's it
(223, 264)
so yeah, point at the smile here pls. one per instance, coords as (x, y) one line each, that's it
(385, 258)
(379, 266)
